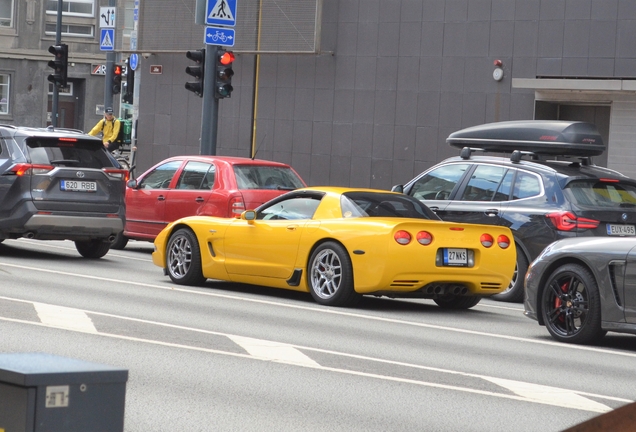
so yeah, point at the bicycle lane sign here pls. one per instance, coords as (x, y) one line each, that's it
(219, 36)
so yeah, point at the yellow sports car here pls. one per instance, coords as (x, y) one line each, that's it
(341, 243)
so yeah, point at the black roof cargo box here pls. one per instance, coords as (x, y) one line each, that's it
(548, 137)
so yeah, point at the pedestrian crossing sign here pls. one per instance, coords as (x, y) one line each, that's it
(221, 12)
(107, 39)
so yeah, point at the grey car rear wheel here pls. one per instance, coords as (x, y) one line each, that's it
(92, 249)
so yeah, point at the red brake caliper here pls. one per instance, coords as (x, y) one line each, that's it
(557, 301)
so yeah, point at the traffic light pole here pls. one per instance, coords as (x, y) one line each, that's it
(56, 91)
(210, 112)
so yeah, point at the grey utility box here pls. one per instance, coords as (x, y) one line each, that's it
(43, 392)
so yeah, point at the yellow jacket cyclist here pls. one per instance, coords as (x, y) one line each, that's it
(109, 126)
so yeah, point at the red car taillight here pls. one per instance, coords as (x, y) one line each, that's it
(119, 173)
(566, 221)
(237, 206)
(402, 237)
(27, 169)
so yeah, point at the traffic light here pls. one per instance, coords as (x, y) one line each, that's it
(117, 71)
(59, 65)
(223, 77)
(197, 71)
(127, 97)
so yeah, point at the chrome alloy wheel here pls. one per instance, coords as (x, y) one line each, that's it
(326, 274)
(179, 256)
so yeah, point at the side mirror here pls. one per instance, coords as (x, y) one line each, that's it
(398, 188)
(132, 183)
(248, 215)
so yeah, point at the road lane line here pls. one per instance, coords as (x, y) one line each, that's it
(69, 248)
(63, 317)
(274, 351)
(559, 403)
(325, 310)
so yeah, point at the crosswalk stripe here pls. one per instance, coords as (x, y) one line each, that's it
(68, 318)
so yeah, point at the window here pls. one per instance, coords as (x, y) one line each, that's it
(6, 13)
(526, 185)
(291, 209)
(160, 177)
(70, 30)
(84, 8)
(4, 93)
(483, 183)
(439, 183)
(266, 177)
(197, 175)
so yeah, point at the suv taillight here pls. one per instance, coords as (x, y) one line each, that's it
(566, 221)
(237, 206)
(119, 173)
(28, 169)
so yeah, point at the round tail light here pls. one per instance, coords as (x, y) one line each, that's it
(424, 238)
(503, 241)
(402, 237)
(486, 240)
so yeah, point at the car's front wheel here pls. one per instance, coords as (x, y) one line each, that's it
(120, 241)
(571, 305)
(183, 258)
(92, 248)
(330, 276)
(514, 292)
(457, 302)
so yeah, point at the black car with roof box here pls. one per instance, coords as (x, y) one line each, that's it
(546, 189)
(59, 184)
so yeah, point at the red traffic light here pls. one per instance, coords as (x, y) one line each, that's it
(226, 58)
(117, 69)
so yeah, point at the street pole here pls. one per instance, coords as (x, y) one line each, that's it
(210, 112)
(110, 61)
(56, 91)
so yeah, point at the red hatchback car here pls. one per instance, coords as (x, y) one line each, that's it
(183, 186)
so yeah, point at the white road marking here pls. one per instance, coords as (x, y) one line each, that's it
(274, 351)
(550, 395)
(63, 317)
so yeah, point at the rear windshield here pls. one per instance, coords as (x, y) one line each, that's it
(72, 153)
(373, 204)
(597, 193)
(266, 177)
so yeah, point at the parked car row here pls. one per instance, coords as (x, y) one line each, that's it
(543, 218)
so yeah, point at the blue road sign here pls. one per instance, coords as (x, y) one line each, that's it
(134, 61)
(221, 12)
(219, 36)
(107, 39)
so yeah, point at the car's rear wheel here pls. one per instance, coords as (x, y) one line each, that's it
(92, 248)
(330, 276)
(183, 258)
(457, 302)
(571, 306)
(120, 241)
(514, 292)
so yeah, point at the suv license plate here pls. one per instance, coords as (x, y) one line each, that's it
(620, 230)
(78, 186)
(455, 257)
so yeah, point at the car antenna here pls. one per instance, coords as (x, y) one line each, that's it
(259, 146)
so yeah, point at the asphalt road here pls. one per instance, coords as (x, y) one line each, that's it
(229, 357)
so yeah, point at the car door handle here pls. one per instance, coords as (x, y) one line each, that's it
(161, 198)
(199, 200)
(491, 212)
(292, 227)
(434, 208)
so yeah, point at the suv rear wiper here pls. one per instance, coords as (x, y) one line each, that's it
(627, 205)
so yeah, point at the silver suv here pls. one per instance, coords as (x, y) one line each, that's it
(60, 184)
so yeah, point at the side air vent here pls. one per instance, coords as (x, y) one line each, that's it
(617, 278)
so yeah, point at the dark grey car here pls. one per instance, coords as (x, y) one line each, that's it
(541, 195)
(60, 185)
(584, 287)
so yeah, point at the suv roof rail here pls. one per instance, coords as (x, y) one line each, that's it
(9, 126)
(467, 151)
(50, 128)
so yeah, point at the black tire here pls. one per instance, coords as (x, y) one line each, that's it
(571, 305)
(457, 302)
(330, 276)
(92, 249)
(514, 292)
(183, 258)
(120, 241)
